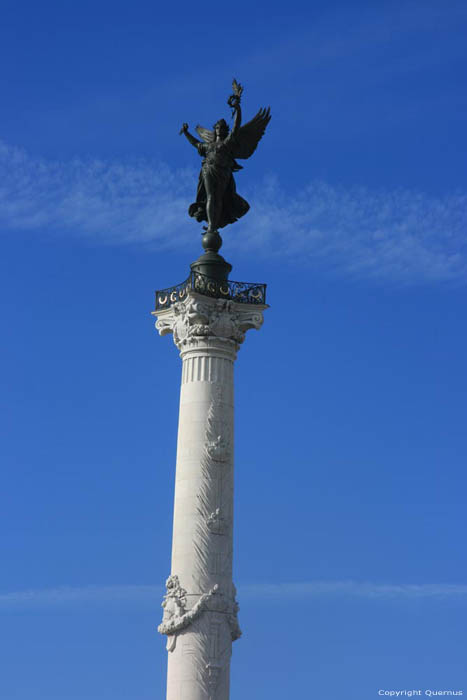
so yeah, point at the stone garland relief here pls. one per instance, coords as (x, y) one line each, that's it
(176, 617)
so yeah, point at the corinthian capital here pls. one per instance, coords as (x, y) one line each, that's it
(198, 317)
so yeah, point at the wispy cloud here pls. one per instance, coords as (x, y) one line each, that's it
(70, 595)
(354, 589)
(147, 595)
(399, 236)
(108, 201)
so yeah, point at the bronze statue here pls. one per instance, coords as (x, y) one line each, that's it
(217, 201)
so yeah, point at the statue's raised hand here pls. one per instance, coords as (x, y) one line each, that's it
(234, 101)
(235, 97)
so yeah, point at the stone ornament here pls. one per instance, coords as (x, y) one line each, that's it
(176, 617)
(216, 523)
(232, 619)
(200, 317)
(218, 445)
(217, 453)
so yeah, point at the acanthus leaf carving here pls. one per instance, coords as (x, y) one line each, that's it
(201, 317)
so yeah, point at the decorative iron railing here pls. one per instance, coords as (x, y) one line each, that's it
(240, 292)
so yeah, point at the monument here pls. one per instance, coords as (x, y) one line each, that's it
(208, 315)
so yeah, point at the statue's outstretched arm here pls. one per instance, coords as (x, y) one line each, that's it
(184, 130)
(234, 102)
(237, 119)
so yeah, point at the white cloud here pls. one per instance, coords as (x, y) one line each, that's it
(399, 236)
(69, 595)
(108, 201)
(354, 589)
(148, 595)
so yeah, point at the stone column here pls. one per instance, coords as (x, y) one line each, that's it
(200, 607)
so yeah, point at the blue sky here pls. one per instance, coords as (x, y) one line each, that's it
(350, 403)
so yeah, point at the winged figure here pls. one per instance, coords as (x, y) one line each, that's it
(217, 201)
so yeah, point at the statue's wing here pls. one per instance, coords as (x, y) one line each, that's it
(249, 134)
(207, 135)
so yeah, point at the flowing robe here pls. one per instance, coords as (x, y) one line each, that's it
(216, 175)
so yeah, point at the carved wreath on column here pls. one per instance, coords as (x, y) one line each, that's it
(176, 617)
